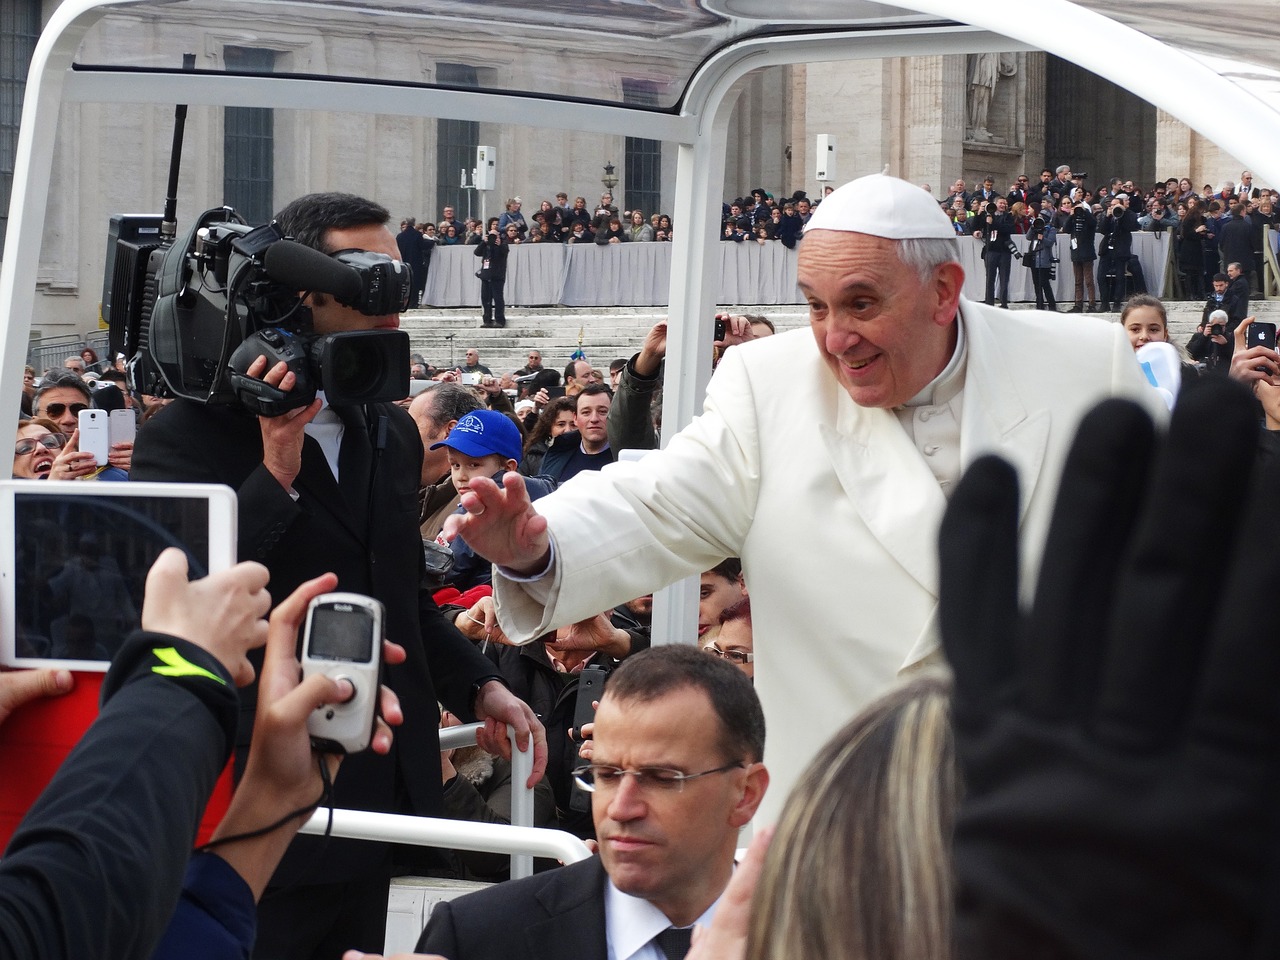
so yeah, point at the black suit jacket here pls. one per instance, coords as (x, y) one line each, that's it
(549, 916)
(320, 532)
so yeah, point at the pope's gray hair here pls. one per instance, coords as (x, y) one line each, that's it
(925, 255)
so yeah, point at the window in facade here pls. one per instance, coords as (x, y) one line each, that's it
(456, 142)
(642, 165)
(248, 145)
(19, 28)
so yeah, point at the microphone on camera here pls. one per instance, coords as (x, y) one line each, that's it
(302, 268)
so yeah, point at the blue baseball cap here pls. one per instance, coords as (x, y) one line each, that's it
(483, 432)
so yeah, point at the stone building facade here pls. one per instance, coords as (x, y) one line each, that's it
(909, 115)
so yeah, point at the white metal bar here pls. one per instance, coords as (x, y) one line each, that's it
(122, 86)
(449, 834)
(451, 738)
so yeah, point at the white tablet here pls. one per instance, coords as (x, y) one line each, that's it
(74, 558)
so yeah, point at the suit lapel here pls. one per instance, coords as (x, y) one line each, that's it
(575, 923)
(894, 492)
(317, 482)
(995, 419)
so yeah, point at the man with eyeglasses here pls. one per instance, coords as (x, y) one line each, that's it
(674, 772)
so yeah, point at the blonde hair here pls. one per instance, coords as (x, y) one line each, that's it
(860, 867)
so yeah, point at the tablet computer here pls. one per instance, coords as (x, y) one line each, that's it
(74, 558)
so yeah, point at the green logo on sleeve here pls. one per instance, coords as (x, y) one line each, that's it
(178, 666)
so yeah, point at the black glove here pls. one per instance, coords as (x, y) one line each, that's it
(1119, 745)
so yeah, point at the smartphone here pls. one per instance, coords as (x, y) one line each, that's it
(720, 328)
(469, 379)
(553, 392)
(590, 688)
(342, 639)
(95, 434)
(122, 426)
(1260, 333)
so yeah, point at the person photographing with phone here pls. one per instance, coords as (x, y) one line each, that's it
(65, 399)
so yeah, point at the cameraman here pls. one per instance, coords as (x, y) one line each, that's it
(1041, 255)
(1117, 249)
(492, 251)
(1078, 223)
(335, 488)
(1209, 344)
(994, 227)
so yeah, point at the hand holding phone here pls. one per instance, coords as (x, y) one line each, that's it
(343, 640)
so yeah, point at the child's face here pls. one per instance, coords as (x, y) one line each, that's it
(464, 468)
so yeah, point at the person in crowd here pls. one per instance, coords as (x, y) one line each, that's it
(1210, 344)
(1021, 215)
(1080, 226)
(664, 225)
(611, 232)
(437, 411)
(471, 363)
(483, 443)
(877, 356)
(1040, 258)
(1235, 241)
(579, 233)
(1236, 298)
(556, 417)
(639, 231)
(61, 396)
(867, 879)
(616, 366)
(586, 446)
(1191, 234)
(492, 251)
(414, 251)
(1157, 219)
(1145, 320)
(96, 865)
(512, 236)
(719, 589)
(734, 641)
(478, 788)
(994, 228)
(312, 497)
(547, 675)
(449, 219)
(675, 772)
(605, 212)
(28, 391)
(75, 364)
(1116, 252)
(512, 216)
(36, 449)
(576, 377)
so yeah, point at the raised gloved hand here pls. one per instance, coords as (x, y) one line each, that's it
(1119, 744)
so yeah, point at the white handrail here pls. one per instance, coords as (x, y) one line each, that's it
(521, 838)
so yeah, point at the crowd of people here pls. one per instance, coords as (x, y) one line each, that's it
(1210, 230)
(516, 554)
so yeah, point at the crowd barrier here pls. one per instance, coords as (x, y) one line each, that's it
(639, 274)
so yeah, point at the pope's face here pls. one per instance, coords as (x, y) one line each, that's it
(882, 332)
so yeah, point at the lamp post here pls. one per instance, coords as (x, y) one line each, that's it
(609, 179)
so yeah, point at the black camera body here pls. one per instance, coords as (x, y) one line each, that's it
(226, 293)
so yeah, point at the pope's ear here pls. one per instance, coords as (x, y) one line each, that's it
(948, 281)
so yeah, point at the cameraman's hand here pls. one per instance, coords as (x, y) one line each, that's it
(221, 612)
(282, 436)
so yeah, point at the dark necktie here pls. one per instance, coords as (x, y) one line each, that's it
(354, 455)
(674, 942)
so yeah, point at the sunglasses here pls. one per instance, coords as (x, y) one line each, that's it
(55, 410)
(51, 441)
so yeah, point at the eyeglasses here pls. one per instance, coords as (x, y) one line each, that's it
(733, 656)
(51, 441)
(55, 410)
(602, 776)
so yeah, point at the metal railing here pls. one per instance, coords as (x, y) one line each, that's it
(520, 839)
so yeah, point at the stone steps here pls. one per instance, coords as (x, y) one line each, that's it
(444, 335)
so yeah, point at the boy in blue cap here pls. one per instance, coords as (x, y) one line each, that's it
(484, 443)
